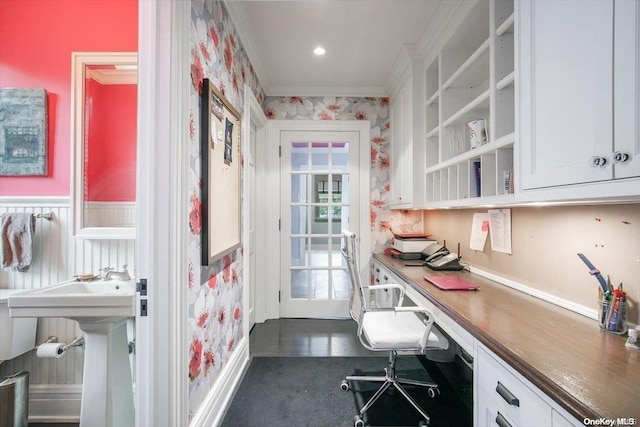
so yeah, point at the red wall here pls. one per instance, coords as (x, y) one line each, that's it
(111, 168)
(36, 41)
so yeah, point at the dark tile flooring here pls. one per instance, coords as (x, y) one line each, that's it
(316, 338)
(306, 338)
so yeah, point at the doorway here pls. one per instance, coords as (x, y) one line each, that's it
(319, 175)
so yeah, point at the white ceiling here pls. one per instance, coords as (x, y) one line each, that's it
(362, 38)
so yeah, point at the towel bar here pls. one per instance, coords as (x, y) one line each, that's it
(47, 215)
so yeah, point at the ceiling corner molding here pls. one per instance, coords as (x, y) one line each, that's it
(400, 66)
(442, 16)
(241, 23)
(365, 91)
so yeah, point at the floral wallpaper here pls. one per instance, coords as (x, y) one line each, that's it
(215, 292)
(376, 110)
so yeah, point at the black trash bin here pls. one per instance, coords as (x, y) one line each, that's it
(14, 400)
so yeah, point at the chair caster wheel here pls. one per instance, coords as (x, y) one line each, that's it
(357, 421)
(423, 423)
(433, 392)
(344, 385)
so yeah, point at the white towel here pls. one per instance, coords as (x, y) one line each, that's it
(16, 240)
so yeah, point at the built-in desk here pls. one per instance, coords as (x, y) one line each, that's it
(587, 372)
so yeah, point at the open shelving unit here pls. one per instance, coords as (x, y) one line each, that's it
(472, 77)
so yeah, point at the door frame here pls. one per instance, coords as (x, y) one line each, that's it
(254, 117)
(270, 180)
(162, 197)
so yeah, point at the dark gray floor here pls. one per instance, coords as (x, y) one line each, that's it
(306, 338)
(301, 338)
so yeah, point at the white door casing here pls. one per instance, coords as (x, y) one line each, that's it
(253, 266)
(162, 240)
(318, 177)
(269, 181)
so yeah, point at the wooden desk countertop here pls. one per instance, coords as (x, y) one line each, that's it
(588, 372)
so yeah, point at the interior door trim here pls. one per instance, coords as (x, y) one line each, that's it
(270, 181)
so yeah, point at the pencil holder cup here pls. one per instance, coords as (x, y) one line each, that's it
(612, 316)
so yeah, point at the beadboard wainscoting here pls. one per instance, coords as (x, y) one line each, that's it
(55, 390)
(110, 214)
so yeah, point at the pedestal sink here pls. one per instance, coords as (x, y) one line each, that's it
(101, 308)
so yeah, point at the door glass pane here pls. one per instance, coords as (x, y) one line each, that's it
(341, 284)
(299, 219)
(320, 156)
(319, 254)
(299, 256)
(300, 156)
(299, 188)
(344, 187)
(300, 284)
(320, 284)
(340, 156)
(337, 260)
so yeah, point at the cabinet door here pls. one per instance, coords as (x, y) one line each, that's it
(566, 75)
(401, 146)
(627, 87)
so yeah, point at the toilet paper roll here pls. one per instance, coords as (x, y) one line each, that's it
(52, 349)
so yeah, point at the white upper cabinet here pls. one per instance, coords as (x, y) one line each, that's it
(578, 97)
(401, 145)
(626, 78)
(469, 75)
(407, 133)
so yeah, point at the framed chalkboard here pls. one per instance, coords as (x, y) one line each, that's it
(220, 166)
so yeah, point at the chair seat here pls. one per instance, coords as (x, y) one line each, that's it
(399, 330)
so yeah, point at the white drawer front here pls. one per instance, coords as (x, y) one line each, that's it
(489, 414)
(526, 408)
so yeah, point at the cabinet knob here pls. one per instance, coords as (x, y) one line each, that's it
(620, 157)
(598, 161)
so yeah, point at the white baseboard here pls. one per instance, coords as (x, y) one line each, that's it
(213, 408)
(55, 403)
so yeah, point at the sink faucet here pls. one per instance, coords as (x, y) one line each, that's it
(122, 275)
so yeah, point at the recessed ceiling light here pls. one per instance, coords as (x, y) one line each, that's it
(319, 51)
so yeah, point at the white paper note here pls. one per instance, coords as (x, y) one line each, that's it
(500, 230)
(479, 231)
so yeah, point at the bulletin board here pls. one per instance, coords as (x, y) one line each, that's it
(220, 167)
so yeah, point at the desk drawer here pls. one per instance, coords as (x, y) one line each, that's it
(514, 397)
(489, 414)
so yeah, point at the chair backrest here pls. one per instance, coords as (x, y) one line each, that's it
(350, 253)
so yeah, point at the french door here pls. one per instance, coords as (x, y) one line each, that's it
(319, 187)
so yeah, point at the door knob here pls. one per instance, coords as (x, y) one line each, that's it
(598, 161)
(620, 157)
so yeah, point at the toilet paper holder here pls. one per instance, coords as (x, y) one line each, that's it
(77, 342)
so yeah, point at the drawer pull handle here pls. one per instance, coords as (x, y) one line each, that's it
(507, 395)
(502, 421)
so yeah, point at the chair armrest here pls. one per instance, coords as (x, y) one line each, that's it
(415, 309)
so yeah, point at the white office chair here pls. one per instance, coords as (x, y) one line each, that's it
(388, 329)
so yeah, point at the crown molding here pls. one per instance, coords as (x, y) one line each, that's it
(355, 91)
(243, 28)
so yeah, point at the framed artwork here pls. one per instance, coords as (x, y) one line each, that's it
(23, 132)
(220, 127)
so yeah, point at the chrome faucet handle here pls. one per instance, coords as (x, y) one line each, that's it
(124, 267)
